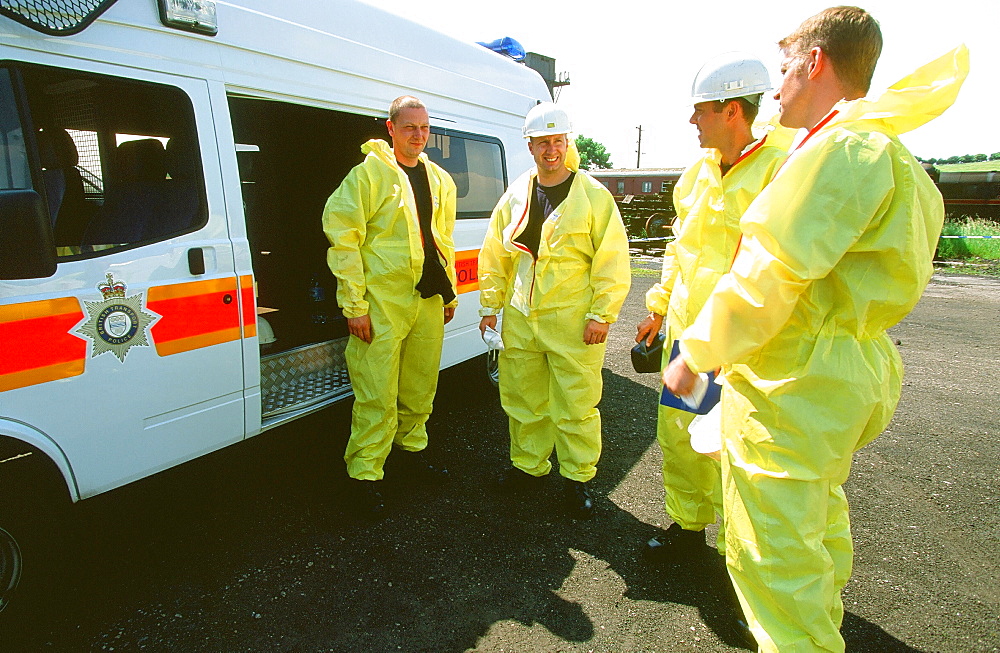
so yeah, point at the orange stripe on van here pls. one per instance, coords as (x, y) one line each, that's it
(249, 306)
(36, 344)
(197, 342)
(41, 375)
(467, 270)
(194, 315)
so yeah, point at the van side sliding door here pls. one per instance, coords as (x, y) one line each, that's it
(129, 357)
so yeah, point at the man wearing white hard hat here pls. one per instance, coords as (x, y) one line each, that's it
(555, 261)
(709, 199)
(836, 250)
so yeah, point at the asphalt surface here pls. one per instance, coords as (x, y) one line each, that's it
(254, 548)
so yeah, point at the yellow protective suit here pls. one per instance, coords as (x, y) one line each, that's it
(836, 250)
(550, 381)
(707, 229)
(377, 255)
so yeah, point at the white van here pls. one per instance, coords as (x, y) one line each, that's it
(163, 169)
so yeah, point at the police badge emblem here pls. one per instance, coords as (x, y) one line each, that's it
(118, 323)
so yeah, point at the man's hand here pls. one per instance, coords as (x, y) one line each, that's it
(361, 327)
(596, 332)
(648, 328)
(449, 312)
(487, 321)
(679, 378)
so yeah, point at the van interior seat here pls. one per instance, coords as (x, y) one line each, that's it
(183, 185)
(68, 209)
(136, 198)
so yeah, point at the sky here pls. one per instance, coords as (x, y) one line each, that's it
(631, 62)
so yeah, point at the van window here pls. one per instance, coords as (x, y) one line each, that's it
(88, 148)
(119, 158)
(14, 170)
(476, 164)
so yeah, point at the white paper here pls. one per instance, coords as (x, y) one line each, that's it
(706, 432)
(697, 395)
(492, 339)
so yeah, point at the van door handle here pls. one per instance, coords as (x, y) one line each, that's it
(196, 261)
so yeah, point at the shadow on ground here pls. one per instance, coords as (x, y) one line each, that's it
(255, 548)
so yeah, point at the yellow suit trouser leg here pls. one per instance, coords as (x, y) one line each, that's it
(532, 433)
(420, 362)
(789, 553)
(692, 482)
(575, 386)
(394, 380)
(550, 384)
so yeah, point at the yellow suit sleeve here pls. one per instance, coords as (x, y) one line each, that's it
(447, 229)
(495, 264)
(610, 268)
(684, 195)
(345, 222)
(658, 296)
(796, 231)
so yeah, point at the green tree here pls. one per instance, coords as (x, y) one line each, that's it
(979, 157)
(995, 156)
(592, 153)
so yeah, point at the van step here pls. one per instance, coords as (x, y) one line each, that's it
(297, 378)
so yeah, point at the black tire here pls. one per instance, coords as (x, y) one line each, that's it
(35, 533)
(10, 567)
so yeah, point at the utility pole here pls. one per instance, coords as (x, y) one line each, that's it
(638, 150)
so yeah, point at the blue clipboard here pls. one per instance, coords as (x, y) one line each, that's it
(712, 395)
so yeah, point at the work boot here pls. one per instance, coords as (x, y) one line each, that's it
(675, 541)
(423, 470)
(367, 498)
(578, 498)
(515, 480)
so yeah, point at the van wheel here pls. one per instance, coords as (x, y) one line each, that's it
(10, 566)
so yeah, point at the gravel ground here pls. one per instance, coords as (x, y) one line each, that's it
(254, 549)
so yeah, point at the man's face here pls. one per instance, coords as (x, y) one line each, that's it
(791, 96)
(409, 133)
(711, 125)
(549, 152)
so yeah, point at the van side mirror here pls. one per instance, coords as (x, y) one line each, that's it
(27, 249)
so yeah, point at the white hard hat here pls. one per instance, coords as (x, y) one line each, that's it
(546, 119)
(730, 75)
(265, 333)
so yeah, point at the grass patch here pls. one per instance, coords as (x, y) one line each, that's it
(975, 267)
(644, 272)
(961, 249)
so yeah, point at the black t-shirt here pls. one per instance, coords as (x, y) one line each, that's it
(433, 280)
(422, 194)
(544, 200)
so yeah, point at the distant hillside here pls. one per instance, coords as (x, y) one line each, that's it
(978, 166)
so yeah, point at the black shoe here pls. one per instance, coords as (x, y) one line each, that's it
(423, 470)
(675, 541)
(516, 480)
(367, 498)
(578, 499)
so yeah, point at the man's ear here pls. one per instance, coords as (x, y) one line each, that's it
(732, 110)
(817, 62)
